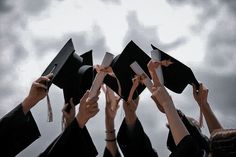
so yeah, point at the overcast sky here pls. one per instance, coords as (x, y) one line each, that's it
(200, 33)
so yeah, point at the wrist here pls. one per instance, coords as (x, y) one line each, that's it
(81, 120)
(27, 104)
(204, 106)
(130, 119)
(110, 127)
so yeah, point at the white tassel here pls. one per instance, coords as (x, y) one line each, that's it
(50, 115)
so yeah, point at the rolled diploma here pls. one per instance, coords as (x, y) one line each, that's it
(139, 71)
(98, 80)
(155, 54)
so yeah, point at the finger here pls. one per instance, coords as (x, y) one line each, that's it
(93, 110)
(93, 100)
(125, 103)
(65, 114)
(72, 103)
(95, 105)
(49, 76)
(39, 85)
(85, 97)
(42, 79)
(64, 107)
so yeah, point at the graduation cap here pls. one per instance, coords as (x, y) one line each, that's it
(176, 76)
(71, 72)
(121, 68)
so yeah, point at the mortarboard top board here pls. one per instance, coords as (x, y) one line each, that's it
(177, 75)
(121, 68)
(71, 72)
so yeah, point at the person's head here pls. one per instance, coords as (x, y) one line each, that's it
(223, 143)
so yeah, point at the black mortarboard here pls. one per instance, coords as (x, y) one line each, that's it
(121, 67)
(177, 75)
(71, 72)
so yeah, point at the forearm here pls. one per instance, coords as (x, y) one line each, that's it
(27, 104)
(211, 120)
(81, 121)
(130, 119)
(111, 143)
(177, 127)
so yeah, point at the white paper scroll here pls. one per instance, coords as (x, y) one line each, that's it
(156, 56)
(98, 80)
(139, 71)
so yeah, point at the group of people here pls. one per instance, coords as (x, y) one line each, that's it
(18, 128)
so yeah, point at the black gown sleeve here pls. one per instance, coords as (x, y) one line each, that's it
(107, 153)
(74, 141)
(135, 142)
(187, 147)
(17, 131)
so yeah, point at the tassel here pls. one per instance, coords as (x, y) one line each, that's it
(50, 116)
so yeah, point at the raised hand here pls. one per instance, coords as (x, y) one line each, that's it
(37, 92)
(68, 116)
(130, 111)
(88, 108)
(201, 95)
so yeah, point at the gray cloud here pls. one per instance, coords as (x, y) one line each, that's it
(33, 7)
(13, 19)
(4, 6)
(112, 1)
(144, 36)
(83, 42)
(221, 43)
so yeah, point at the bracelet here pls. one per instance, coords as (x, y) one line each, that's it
(110, 132)
(110, 140)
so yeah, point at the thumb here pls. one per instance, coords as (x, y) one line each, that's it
(85, 96)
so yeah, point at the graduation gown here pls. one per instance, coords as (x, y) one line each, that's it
(187, 147)
(74, 141)
(134, 142)
(107, 153)
(17, 131)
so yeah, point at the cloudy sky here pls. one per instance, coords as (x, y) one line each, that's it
(200, 33)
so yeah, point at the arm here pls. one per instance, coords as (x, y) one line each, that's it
(112, 105)
(68, 117)
(37, 92)
(165, 104)
(131, 137)
(201, 98)
(75, 140)
(18, 128)
(177, 127)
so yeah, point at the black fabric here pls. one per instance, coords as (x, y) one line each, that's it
(74, 141)
(121, 67)
(107, 153)
(135, 143)
(201, 140)
(187, 147)
(17, 131)
(71, 72)
(177, 75)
